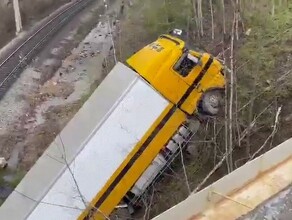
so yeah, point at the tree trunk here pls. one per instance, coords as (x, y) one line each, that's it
(223, 17)
(212, 18)
(17, 16)
(200, 17)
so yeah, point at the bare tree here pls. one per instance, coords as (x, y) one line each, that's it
(273, 8)
(200, 16)
(212, 17)
(223, 16)
(195, 16)
(184, 169)
(271, 135)
(226, 111)
(230, 121)
(237, 17)
(229, 99)
(226, 116)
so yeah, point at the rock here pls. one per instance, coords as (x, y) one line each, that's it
(193, 150)
(247, 33)
(288, 118)
(3, 163)
(268, 82)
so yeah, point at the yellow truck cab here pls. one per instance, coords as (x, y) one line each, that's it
(191, 80)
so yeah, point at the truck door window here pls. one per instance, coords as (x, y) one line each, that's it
(185, 64)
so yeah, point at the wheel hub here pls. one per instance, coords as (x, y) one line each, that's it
(214, 100)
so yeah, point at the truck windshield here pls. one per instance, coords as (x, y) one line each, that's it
(185, 64)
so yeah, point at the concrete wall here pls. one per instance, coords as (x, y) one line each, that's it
(196, 203)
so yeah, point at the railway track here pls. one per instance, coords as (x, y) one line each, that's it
(13, 63)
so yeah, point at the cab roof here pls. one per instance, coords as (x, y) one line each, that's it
(148, 60)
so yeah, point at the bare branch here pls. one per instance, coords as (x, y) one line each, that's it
(148, 205)
(230, 119)
(85, 203)
(184, 169)
(271, 135)
(269, 88)
(111, 36)
(219, 164)
(46, 203)
(64, 157)
(252, 124)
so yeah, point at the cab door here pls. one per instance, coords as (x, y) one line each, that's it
(192, 71)
(169, 82)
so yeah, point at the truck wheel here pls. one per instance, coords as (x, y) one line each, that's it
(210, 103)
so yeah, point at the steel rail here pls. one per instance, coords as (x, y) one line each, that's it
(49, 28)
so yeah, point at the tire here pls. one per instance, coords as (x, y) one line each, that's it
(211, 102)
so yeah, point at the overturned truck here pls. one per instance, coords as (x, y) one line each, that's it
(123, 136)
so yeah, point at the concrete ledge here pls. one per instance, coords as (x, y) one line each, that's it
(240, 191)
